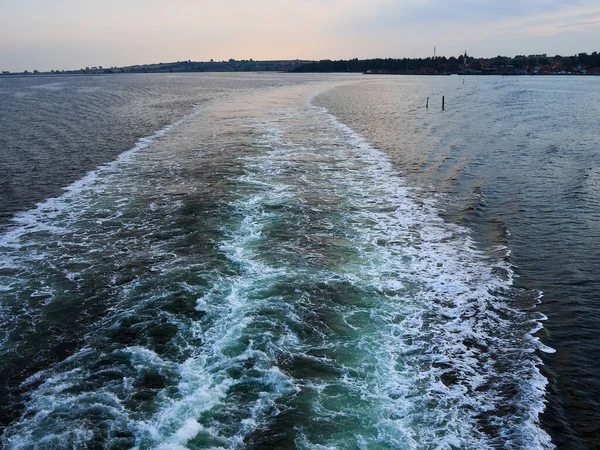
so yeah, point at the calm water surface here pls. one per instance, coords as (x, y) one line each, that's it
(281, 261)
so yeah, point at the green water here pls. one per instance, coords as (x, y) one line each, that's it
(259, 276)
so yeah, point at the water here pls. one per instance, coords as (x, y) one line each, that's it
(256, 274)
(55, 129)
(517, 160)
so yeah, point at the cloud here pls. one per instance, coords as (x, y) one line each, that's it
(550, 24)
(395, 14)
(486, 28)
(117, 32)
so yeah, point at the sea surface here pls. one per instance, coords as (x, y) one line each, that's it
(210, 261)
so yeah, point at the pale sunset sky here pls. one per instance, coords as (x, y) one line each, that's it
(69, 34)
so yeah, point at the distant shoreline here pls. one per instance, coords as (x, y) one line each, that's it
(483, 74)
(60, 75)
(581, 64)
(178, 67)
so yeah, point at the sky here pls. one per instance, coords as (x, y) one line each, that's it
(70, 34)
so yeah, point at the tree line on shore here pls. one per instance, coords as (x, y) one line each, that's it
(442, 64)
(520, 64)
(231, 65)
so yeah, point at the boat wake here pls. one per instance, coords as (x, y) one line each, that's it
(331, 307)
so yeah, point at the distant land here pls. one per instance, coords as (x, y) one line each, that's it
(581, 64)
(232, 65)
(542, 64)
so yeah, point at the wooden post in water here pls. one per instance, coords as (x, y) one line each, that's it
(427, 105)
(443, 103)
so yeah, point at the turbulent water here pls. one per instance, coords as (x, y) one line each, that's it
(256, 274)
(517, 160)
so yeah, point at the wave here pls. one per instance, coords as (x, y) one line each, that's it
(336, 310)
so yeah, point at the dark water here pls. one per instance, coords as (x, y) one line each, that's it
(55, 129)
(255, 273)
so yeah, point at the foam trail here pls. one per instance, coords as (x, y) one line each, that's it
(41, 217)
(334, 308)
(474, 342)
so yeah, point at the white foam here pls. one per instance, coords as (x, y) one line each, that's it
(429, 307)
(188, 431)
(453, 281)
(41, 218)
(466, 273)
